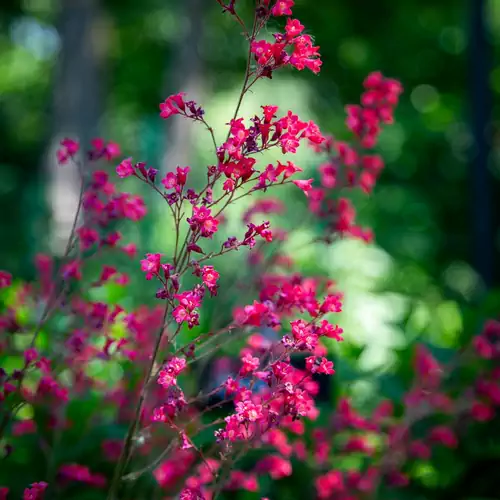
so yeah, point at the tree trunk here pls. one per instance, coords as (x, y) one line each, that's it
(76, 106)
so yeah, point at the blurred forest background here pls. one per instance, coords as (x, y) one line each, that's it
(86, 68)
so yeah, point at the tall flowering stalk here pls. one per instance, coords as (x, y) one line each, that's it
(266, 392)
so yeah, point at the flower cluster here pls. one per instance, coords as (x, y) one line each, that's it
(267, 393)
(290, 48)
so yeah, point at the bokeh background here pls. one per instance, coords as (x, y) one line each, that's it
(87, 68)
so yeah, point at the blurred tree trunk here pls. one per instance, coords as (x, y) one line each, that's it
(482, 180)
(76, 105)
(185, 74)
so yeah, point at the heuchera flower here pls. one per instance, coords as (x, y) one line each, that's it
(36, 491)
(187, 311)
(125, 168)
(5, 279)
(249, 364)
(319, 365)
(81, 473)
(305, 186)
(210, 276)
(282, 8)
(176, 180)
(203, 221)
(274, 465)
(173, 105)
(151, 265)
(168, 374)
(110, 151)
(68, 150)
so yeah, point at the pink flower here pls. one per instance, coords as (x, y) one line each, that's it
(151, 265)
(130, 249)
(125, 168)
(269, 113)
(329, 484)
(482, 412)
(88, 237)
(282, 8)
(276, 466)
(210, 276)
(319, 365)
(203, 221)
(191, 494)
(24, 427)
(173, 105)
(306, 186)
(186, 444)
(168, 374)
(68, 150)
(444, 435)
(35, 491)
(293, 28)
(5, 279)
(72, 270)
(249, 364)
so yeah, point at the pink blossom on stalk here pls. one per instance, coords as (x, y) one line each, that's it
(210, 276)
(24, 427)
(427, 368)
(68, 150)
(305, 186)
(482, 412)
(125, 168)
(173, 105)
(36, 491)
(282, 8)
(72, 270)
(186, 444)
(191, 494)
(30, 355)
(444, 435)
(81, 473)
(319, 365)
(186, 311)
(110, 150)
(249, 364)
(203, 221)
(88, 237)
(4, 492)
(130, 249)
(176, 180)
(168, 374)
(5, 279)
(277, 467)
(151, 265)
(239, 480)
(293, 28)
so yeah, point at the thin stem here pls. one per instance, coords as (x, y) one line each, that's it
(127, 447)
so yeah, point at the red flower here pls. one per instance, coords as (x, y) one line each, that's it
(306, 186)
(125, 168)
(5, 279)
(151, 265)
(282, 8)
(173, 105)
(68, 150)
